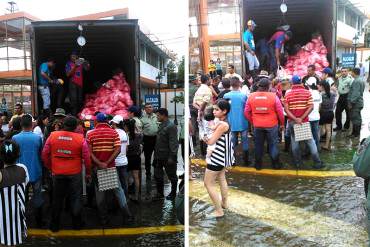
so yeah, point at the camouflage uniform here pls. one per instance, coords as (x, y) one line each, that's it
(356, 103)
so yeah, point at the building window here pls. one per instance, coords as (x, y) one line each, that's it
(142, 52)
(14, 45)
(341, 13)
(223, 17)
(351, 18)
(229, 52)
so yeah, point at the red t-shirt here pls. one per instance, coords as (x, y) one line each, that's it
(298, 101)
(103, 140)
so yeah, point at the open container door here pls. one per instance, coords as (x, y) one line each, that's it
(110, 44)
(304, 17)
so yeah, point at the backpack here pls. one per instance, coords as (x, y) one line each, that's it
(361, 159)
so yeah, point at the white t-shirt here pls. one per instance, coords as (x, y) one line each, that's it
(229, 76)
(37, 130)
(121, 159)
(317, 100)
(245, 90)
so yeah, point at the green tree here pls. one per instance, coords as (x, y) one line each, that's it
(181, 73)
(171, 72)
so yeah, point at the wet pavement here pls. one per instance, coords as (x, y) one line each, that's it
(283, 210)
(148, 214)
(163, 239)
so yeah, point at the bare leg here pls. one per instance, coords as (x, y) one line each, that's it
(224, 189)
(328, 135)
(210, 184)
(322, 130)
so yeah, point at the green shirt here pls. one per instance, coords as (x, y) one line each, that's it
(150, 124)
(355, 95)
(344, 84)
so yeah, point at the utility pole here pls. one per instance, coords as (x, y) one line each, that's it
(12, 8)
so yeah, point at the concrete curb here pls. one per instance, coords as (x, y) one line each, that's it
(292, 173)
(105, 232)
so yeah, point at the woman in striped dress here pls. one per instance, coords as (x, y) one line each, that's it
(222, 157)
(13, 180)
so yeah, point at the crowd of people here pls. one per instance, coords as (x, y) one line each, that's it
(230, 111)
(54, 155)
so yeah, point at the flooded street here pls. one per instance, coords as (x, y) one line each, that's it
(288, 207)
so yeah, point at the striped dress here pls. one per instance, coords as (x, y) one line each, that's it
(12, 204)
(223, 155)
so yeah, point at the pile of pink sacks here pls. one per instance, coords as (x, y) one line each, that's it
(112, 98)
(314, 52)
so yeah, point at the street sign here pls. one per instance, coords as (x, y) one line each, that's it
(348, 60)
(152, 99)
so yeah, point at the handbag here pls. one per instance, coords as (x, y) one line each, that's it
(302, 132)
(107, 179)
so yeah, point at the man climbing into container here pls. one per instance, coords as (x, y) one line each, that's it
(74, 72)
(43, 83)
(277, 42)
(250, 48)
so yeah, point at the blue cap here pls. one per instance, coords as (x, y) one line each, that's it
(134, 109)
(296, 79)
(328, 71)
(101, 117)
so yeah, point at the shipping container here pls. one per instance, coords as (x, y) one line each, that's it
(305, 17)
(110, 44)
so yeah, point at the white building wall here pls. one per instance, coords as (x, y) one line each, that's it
(347, 32)
(151, 72)
(166, 98)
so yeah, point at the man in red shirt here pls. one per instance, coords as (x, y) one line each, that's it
(63, 154)
(264, 111)
(105, 146)
(298, 104)
(74, 72)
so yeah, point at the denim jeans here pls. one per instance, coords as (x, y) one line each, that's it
(234, 139)
(297, 159)
(315, 129)
(45, 95)
(272, 135)
(253, 62)
(123, 177)
(100, 198)
(37, 199)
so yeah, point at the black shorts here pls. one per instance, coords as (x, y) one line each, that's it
(134, 163)
(215, 168)
(326, 117)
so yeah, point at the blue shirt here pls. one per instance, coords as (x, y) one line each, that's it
(44, 68)
(236, 117)
(30, 145)
(248, 38)
(280, 40)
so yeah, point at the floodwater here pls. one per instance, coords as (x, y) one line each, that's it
(284, 210)
(163, 239)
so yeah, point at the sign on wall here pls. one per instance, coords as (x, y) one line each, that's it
(348, 60)
(152, 99)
